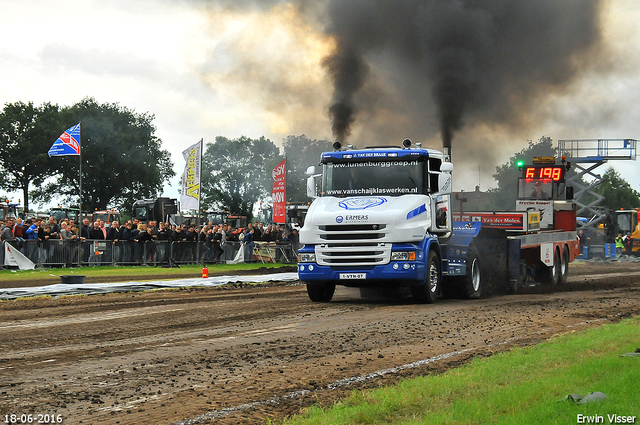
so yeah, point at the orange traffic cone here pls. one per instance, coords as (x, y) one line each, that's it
(205, 272)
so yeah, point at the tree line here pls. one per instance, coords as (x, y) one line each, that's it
(123, 160)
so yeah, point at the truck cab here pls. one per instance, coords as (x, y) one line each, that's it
(108, 216)
(10, 210)
(376, 220)
(158, 209)
(627, 222)
(61, 213)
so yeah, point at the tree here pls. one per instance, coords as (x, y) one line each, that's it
(617, 192)
(26, 134)
(301, 152)
(236, 173)
(504, 196)
(122, 159)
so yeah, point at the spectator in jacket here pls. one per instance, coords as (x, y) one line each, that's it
(113, 235)
(32, 239)
(51, 243)
(69, 237)
(191, 237)
(162, 243)
(216, 240)
(55, 227)
(96, 232)
(143, 238)
(126, 236)
(6, 234)
(84, 229)
(18, 230)
(177, 241)
(248, 244)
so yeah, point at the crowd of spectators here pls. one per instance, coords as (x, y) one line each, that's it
(42, 241)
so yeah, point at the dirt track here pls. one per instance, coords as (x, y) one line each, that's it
(240, 355)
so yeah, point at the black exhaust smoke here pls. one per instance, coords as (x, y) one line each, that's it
(348, 72)
(486, 61)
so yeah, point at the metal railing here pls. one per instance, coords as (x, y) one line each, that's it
(59, 253)
(594, 150)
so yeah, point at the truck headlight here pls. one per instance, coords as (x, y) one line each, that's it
(403, 256)
(306, 257)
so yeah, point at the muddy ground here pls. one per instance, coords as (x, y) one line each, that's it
(244, 354)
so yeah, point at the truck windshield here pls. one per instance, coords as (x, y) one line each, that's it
(141, 213)
(215, 218)
(394, 177)
(624, 223)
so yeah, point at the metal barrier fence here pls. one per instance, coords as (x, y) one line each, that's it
(59, 253)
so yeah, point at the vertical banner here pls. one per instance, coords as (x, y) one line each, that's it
(278, 192)
(190, 196)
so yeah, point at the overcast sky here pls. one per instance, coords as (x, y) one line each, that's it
(205, 69)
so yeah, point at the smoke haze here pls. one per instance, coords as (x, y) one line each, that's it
(480, 76)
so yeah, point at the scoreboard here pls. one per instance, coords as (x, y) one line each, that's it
(544, 172)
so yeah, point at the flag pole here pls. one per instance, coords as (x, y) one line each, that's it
(80, 178)
(200, 173)
(80, 196)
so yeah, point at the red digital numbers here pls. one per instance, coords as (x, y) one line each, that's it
(530, 173)
(552, 173)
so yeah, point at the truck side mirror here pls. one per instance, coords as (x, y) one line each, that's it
(569, 193)
(444, 178)
(311, 182)
(311, 187)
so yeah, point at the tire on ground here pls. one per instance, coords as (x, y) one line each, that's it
(321, 292)
(564, 267)
(471, 283)
(551, 275)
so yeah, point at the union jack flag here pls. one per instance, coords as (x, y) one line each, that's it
(68, 143)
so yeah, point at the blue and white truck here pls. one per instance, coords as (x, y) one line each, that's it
(383, 219)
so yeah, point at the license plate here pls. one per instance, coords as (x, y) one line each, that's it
(353, 275)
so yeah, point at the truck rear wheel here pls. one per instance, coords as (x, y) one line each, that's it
(551, 275)
(321, 293)
(428, 292)
(472, 282)
(564, 268)
(557, 268)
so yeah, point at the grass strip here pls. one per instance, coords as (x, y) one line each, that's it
(124, 271)
(523, 386)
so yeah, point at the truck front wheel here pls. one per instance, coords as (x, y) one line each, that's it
(428, 293)
(321, 293)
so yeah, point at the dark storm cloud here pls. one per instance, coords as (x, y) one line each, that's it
(491, 61)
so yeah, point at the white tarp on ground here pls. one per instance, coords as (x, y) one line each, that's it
(103, 288)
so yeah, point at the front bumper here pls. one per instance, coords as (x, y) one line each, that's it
(413, 274)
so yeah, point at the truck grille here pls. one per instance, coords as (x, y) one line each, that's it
(353, 245)
(352, 232)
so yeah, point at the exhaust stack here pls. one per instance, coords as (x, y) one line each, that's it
(447, 153)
